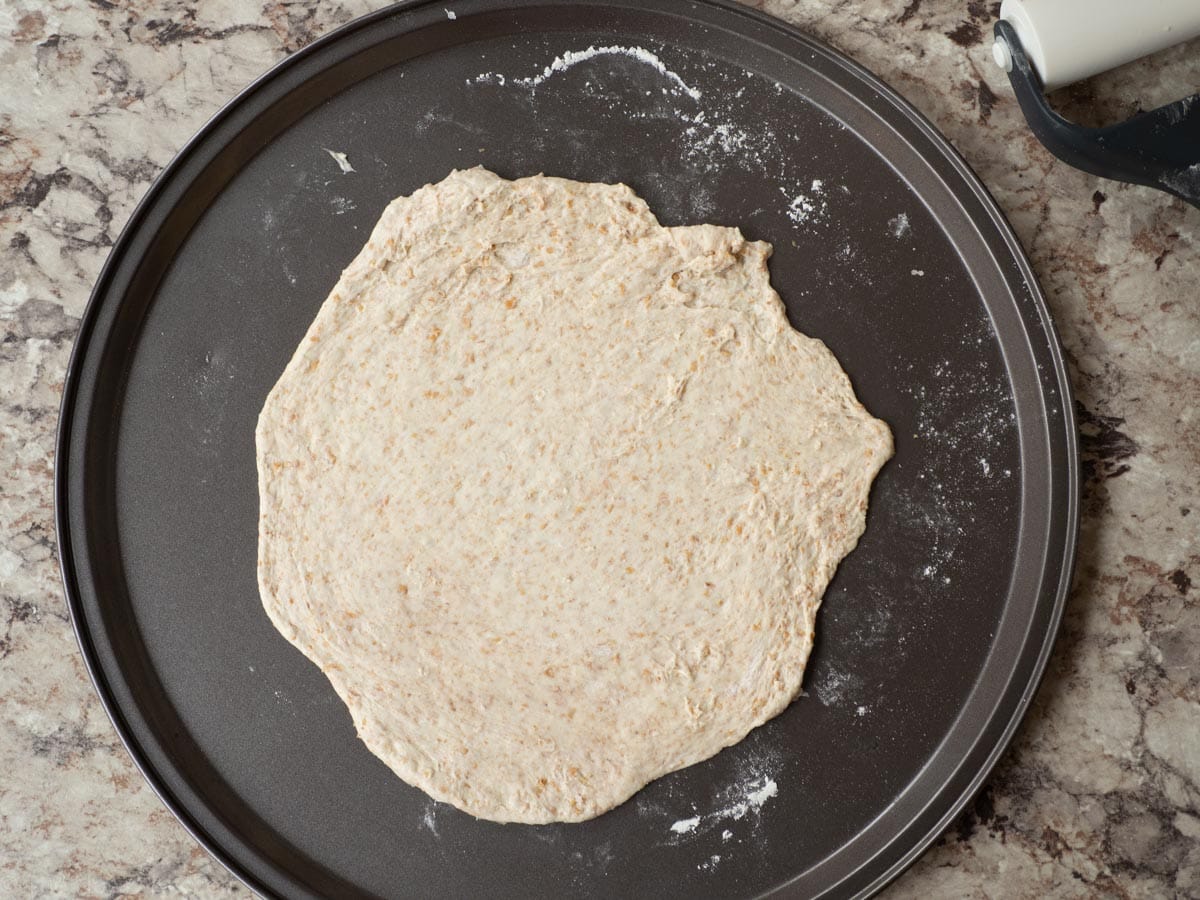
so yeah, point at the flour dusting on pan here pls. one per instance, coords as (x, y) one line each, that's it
(683, 826)
(574, 57)
(711, 139)
(737, 803)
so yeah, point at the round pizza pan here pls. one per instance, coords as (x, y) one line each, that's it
(933, 635)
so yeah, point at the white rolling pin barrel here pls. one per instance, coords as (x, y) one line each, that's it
(1070, 40)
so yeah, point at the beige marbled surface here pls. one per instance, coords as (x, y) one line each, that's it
(1100, 794)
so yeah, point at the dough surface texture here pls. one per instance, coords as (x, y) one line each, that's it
(551, 493)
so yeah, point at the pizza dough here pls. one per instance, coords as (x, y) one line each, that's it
(551, 493)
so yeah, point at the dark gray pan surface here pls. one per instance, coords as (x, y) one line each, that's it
(934, 632)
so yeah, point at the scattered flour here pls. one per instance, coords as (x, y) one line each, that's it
(729, 139)
(712, 139)
(754, 801)
(899, 225)
(684, 826)
(573, 58)
(965, 415)
(800, 208)
(450, 14)
(812, 205)
(833, 687)
(744, 800)
(340, 159)
(429, 820)
(737, 803)
(920, 273)
(285, 701)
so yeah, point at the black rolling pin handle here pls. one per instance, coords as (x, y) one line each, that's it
(1159, 149)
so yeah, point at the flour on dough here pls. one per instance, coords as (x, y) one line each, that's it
(551, 493)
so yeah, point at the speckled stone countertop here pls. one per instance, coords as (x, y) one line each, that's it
(1100, 793)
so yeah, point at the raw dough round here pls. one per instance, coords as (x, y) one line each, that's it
(551, 493)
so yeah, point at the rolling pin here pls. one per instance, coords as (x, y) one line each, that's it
(1046, 44)
(1070, 40)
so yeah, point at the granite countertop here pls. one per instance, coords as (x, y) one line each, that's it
(1100, 793)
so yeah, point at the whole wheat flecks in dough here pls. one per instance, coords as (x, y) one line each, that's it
(551, 493)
